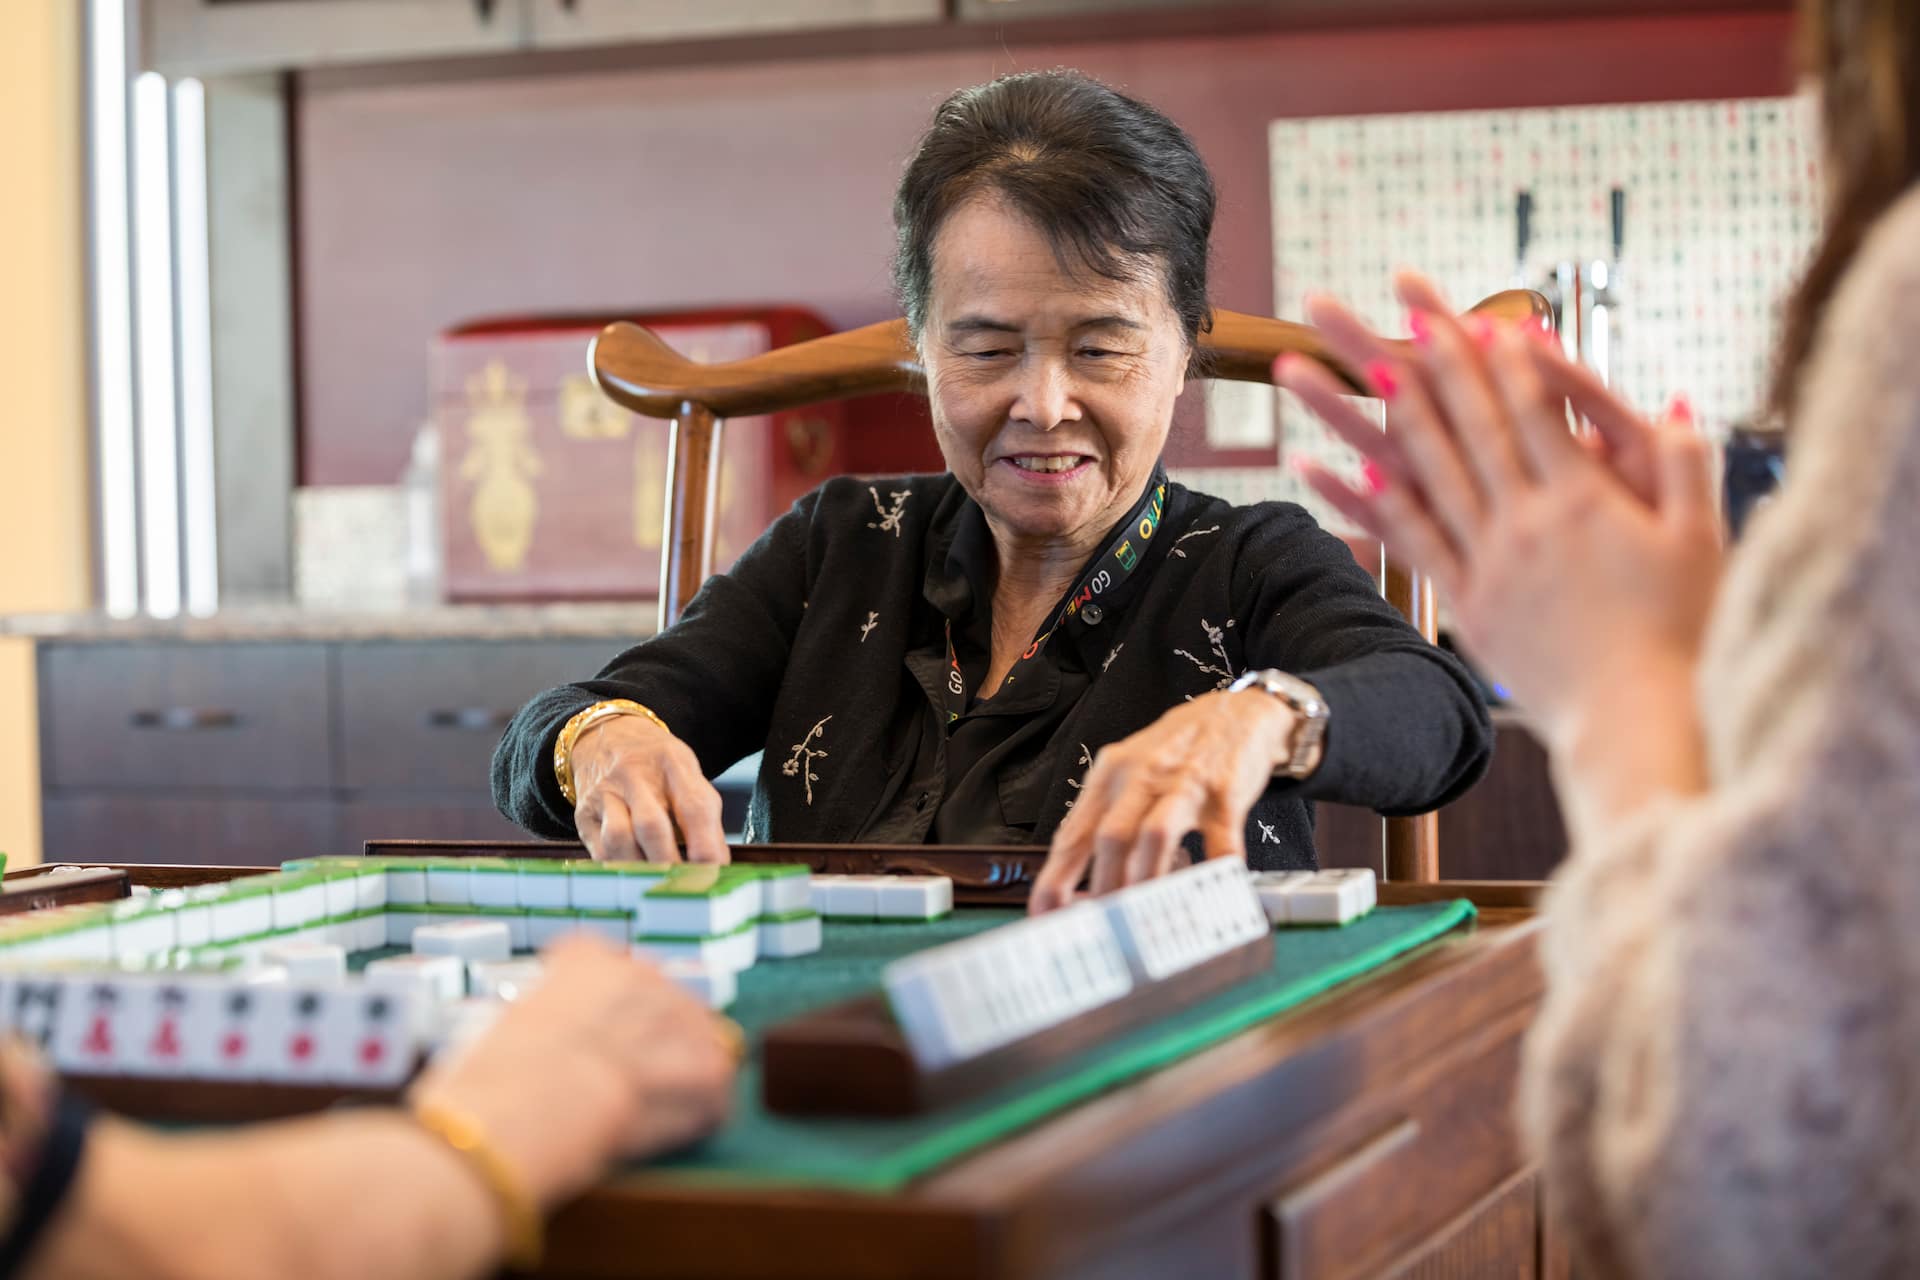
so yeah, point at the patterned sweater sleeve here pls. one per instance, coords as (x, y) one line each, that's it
(1407, 729)
(1725, 1077)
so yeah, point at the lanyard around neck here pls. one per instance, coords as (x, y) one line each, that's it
(1108, 570)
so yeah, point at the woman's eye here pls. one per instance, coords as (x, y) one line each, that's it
(995, 354)
(1097, 353)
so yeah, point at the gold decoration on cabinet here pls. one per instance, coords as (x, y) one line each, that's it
(588, 416)
(501, 462)
(585, 414)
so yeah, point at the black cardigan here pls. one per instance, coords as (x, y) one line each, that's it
(798, 651)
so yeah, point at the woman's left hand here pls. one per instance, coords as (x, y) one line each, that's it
(1575, 569)
(1200, 766)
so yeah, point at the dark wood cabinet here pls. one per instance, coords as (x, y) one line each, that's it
(239, 717)
(253, 752)
(219, 828)
(415, 715)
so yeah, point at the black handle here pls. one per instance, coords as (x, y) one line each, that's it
(1619, 203)
(483, 8)
(185, 719)
(1523, 225)
(468, 719)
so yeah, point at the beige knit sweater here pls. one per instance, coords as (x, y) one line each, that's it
(1725, 1080)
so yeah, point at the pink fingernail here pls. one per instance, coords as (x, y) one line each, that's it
(1543, 334)
(1298, 464)
(1376, 480)
(1381, 375)
(1680, 411)
(1283, 364)
(1420, 328)
(1480, 329)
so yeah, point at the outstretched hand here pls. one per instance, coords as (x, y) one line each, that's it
(1569, 563)
(1198, 767)
(640, 792)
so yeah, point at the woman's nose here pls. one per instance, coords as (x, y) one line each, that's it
(1045, 397)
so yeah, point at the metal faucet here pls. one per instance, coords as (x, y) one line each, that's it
(1584, 299)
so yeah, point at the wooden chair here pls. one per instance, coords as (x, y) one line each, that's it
(636, 369)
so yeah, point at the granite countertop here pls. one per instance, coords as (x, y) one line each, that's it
(628, 621)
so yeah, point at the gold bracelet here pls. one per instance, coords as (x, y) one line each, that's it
(464, 1134)
(579, 724)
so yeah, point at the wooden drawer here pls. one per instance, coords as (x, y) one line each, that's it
(1402, 1194)
(233, 716)
(416, 715)
(86, 826)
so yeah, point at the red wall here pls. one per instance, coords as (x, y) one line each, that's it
(425, 205)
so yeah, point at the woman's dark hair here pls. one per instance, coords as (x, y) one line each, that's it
(1113, 185)
(1866, 56)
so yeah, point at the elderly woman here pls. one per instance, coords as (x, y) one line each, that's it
(1050, 641)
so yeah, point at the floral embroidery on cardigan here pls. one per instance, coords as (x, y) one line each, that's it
(1085, 762)
(889, 521)
(873, 620)
(1111, 655)
(1192, 533)
(800, 763)
(1217, 638)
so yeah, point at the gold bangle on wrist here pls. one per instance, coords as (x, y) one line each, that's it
(579, 724)
(520, 1215)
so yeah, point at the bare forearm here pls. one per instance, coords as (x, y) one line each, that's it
(1635, 742)
(354, 1196)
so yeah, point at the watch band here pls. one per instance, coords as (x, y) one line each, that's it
(1310, 715)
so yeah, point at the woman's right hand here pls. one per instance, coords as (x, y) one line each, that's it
(636, 783)
(606, 1058)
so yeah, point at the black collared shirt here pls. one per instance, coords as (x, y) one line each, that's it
(990, 767)
(824, 646)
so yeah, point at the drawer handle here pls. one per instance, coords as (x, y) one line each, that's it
(187, 719)
(468, 719)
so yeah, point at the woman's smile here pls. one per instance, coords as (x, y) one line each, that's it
(1048, 470)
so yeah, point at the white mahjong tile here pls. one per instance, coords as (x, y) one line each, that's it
(89, 1033)
(449, 886)
(544, 889)
(371, 1040)
(467, 939)
(504, 979)
(783, 939)
(309, 961)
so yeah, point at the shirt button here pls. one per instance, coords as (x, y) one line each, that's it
(1092, 614)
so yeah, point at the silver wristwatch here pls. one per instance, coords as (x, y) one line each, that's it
(1309, 711)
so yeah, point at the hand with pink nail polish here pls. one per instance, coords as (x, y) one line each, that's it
(1569, 563)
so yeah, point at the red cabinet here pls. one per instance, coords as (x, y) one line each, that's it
(548, 490)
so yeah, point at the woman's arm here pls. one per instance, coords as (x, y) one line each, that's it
(1723, 1078)
(1407, 731)
(606, 1058)
(712, 677)
(368, 1196)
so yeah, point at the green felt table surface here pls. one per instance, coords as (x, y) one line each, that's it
(884, 1154)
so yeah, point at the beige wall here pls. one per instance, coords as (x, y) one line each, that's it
(44, 549)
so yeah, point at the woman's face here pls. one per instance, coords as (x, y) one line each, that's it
(1051, 393)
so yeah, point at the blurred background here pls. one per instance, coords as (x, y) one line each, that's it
(305, 485)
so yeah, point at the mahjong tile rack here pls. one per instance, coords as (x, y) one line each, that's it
(962, 1019)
